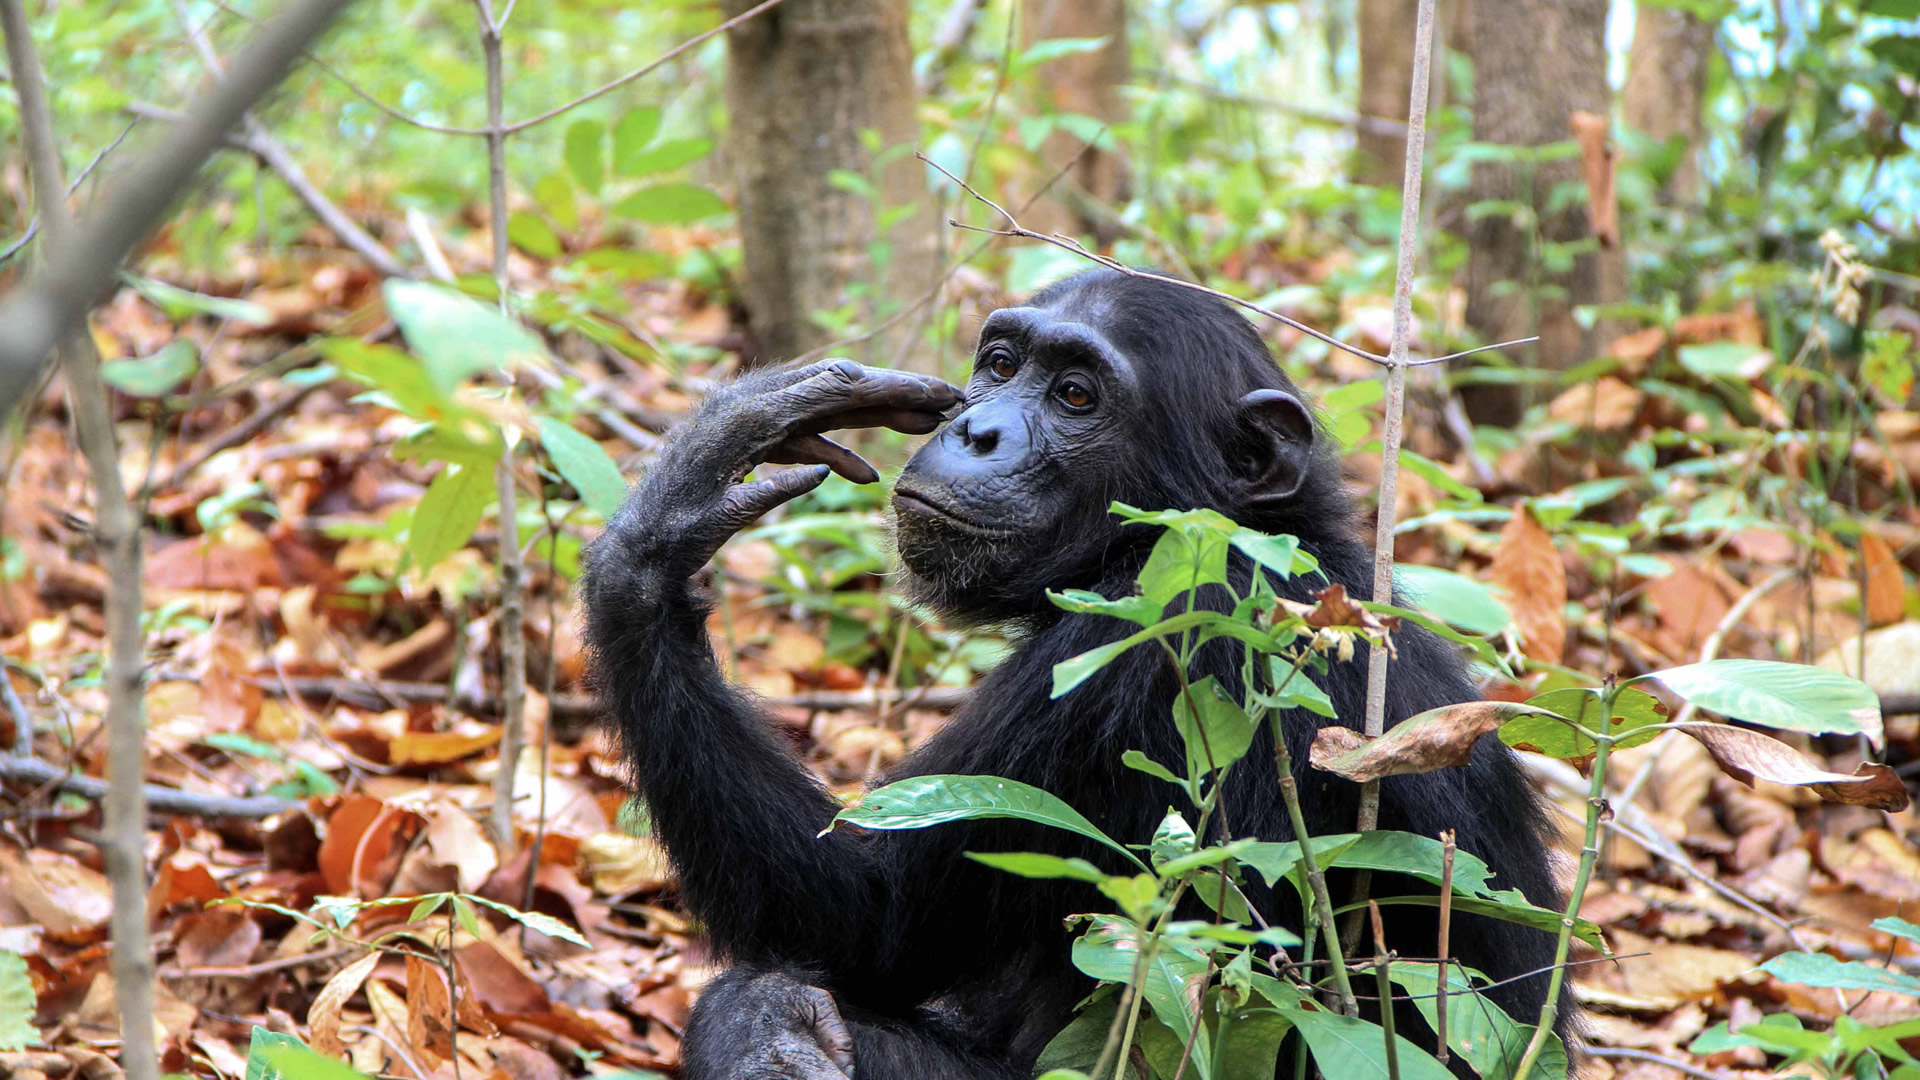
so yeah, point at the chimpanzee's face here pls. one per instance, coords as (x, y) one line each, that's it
(1021, 479)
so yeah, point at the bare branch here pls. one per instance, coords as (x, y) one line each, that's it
(117, 538)
(623, 80)
(51, 304)
(1068, 243)
(160, 800)
(33, 225)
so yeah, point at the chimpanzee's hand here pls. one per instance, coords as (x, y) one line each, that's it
(692, 499)
(768, 1026)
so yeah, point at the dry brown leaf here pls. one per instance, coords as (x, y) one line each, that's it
(1437, 739)
(1749, 755)
(1636, 350)
(1886, 596)
(69, 900)
(362, 849)
(459, 842)
(1606, 404)
(323, 1016)
(1597, 164)
(496, 982)
(440, 747)
(1675, 973)
(224, 936)
(429, 1010)
(620, 864)
(1878, 861)
(1528, 567)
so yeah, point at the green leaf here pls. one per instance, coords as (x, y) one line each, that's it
(635, 130)
(1138, 760)
(1274, 860)
(399, 377)
(1725, 359)
(1280, 554)
(17, 1003)
(1183, 559)
(456, 336)
(293, 1061)
(1792, 697)
(427, 906)
(531, 234)
(180, 304)
(1507, 906)
(662, 156)
(1134, 609)
(1353, 1049)
(151, 376)
(534, 920)
(1491, 1041)
(448, 513)
(1214, 728)
(920, 801)
(585, 465)
(1892, 9)
(1070, 673)
(1466, 603)
(1898, 927)
(258, 1065)
(670, 204)
(1820, 969)
(1041, 52)
(1633, 711)
(1033, 864)
(1109, 951)
(586, 152)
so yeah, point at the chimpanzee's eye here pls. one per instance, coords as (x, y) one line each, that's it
(1002, 364)
(1075, 395)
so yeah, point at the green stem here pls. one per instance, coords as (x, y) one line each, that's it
(1316, 879)
(1589, 853)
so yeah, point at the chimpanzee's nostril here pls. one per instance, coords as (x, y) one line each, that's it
(981, 440)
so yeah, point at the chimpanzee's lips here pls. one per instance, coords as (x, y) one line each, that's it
(908, 501)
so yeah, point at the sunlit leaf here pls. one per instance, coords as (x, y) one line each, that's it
(448, 513)
(152, 376)
(670, 204)
(920, 801)
(1823, 970)
(585, 465)
(456, 336)
(17, 1004)
(586, 151)
(1793, 697)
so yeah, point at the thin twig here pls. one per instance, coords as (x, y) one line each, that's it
(17, 711)
(117, 540)
(1068, 243)
(1384, 515)
(1445, 946)
(50, 306)
(33, 224)
(159, 800)
(1625, 1053)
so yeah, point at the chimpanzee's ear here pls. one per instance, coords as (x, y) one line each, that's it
(1276, 447)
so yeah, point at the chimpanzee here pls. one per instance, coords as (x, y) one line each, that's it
(888, 954)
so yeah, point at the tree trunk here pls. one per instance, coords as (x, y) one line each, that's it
(1386, 78)
(804, 82)
(1087, 83)
(1536, 63)
(1666, 78)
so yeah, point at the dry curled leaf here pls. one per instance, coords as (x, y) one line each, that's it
(1528, 567)
(1886, 589)
(1436, 739)
(1749, 755)
(323, 1017)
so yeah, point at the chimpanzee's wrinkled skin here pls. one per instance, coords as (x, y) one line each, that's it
(888, 955)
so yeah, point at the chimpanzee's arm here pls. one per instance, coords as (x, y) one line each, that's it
(739, 815)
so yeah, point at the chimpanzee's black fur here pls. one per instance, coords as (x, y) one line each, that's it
(941, 967)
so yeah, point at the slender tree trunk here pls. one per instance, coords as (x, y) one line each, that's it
(1666, 79)
(805, 82)
(1087, 83)
(1536, 63)
(1386, 73)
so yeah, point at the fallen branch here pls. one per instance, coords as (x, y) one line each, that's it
(50, 306)
(160, 800)
(365, 694)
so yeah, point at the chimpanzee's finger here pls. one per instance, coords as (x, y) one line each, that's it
(829, 1029)
(909, 421)
(817, 449)
(842, 386)
(744, 502)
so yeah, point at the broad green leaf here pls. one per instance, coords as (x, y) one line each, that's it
(180, 304)
(1778, 1033)
(920, 801)
(1491, 1041)
(586, 152)
(1793, 697)
(1293, 690)
(152, 376)
(662, 156)
(1214, 728)
(1138, 760)
(1183, 559)
(1273, 860)
(1466, 603)
(585, 465)
(1820, 969)
(1280, 554)
(399, 377)
(1633, 711)
(1481, 649)
(454, 335)
(670, 204)
(532, 235)
(1508, 906)
(634, 131)
(1078, 1045)
(629, 264)
(1417, 856)
(17, 1004)
(1070, 673)
(1725, 359)
(1110, 950)
(1353, 1049)
(1430, 470)
(1134, 609)
(448, 513)
(1250, 1048)
(1210, 856)
(1041, 52)
(259, 1067)
(1033, 864)
(1898, 927)
(293, 1061)
(463, 444)
(534, 920)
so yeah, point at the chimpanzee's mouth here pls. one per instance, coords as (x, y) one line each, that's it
(907, 501)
